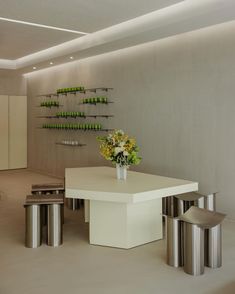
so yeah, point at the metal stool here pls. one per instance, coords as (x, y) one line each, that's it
(44, 200)
(185, 201)
(54, 226)
(33, 227)
(174, 241)
(51, 188)
(72, 203)
(210, 201)
(196, 221)
(213, 246)
(169, 206)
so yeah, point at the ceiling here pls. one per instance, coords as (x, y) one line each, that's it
(109, 24)
(18, 40)
(82, 15)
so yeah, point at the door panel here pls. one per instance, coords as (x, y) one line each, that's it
(17, 132)
(3, 132)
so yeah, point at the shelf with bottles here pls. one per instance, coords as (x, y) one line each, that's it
(75, 114)
(50, 104)
(95, 100)
(74, 126)
(72, 90)
(70, 143)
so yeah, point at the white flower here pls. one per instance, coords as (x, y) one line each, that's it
(118, 150)
(121, 144)
(125, 153)
(120, 132)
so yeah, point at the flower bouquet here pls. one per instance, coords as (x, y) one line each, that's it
(120, 150)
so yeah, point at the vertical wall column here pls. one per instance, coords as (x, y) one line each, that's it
(13, 132)
(3, 132)
(17, 132)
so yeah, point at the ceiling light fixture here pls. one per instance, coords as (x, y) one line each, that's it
(51, 63)
(41, 26)
(71, 57)
(34, 67)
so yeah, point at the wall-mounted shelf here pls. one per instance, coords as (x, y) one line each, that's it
(48, 95)
(74, 117)
(74, 144)
(100, 103)
(93, 90)
(87, 130)
(60, 105)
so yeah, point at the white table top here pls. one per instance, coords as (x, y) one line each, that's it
(100, 183)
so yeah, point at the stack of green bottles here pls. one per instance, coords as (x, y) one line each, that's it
(73, 114)
(69, 126)
(95, 100)
(69, 90)
(50, 104)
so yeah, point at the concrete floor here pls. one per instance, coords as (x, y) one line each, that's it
(77, 267)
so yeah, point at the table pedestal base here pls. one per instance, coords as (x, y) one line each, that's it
(125, 225)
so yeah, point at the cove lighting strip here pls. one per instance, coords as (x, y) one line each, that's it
(42, 26)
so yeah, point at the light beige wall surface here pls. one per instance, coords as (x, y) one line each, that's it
(17, 132)
(12, 83)
(3, 132)
(176, 96)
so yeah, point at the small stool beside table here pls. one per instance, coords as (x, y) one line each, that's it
(33, 220)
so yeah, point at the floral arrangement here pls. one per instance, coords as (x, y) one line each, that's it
(119, 148)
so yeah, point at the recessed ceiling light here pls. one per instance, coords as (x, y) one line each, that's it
(34, 67)
(42, 26)
(51, 63)
(71, 57)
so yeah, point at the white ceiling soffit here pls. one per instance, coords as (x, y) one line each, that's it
(18, 40)
(179, 18)
(7, 64)
(82, 15)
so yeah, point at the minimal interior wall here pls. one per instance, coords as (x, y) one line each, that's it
(12, 83)
(176, 96)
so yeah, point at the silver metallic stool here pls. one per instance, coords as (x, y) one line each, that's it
(51, 188)
(169, 206)
(195, 221)
(55, 205)
(54, 225)
(174, 240)
(73, 203)
(47, 189)
(33, 227)
(210, 201)
(185, 201)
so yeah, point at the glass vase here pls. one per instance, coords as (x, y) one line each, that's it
(121, 172)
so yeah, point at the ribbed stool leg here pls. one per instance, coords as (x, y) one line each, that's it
(33, 228)
(213, 247)
(193, 249)
(54, 225)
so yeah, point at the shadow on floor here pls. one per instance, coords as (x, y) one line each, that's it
(226, 289)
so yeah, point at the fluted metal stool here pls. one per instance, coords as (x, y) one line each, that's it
(33, 226)
(195, 222)
(73, 203)
(174, 241)
(50, 188)
(54, 225)
(169, 206)
(210, 201)
(185, 201)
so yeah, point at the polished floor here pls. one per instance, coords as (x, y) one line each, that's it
(77, 267)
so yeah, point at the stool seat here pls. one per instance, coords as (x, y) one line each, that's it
(202, 217)
(192, 196)
(43, 188)
(45, 199)
(198, 223)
